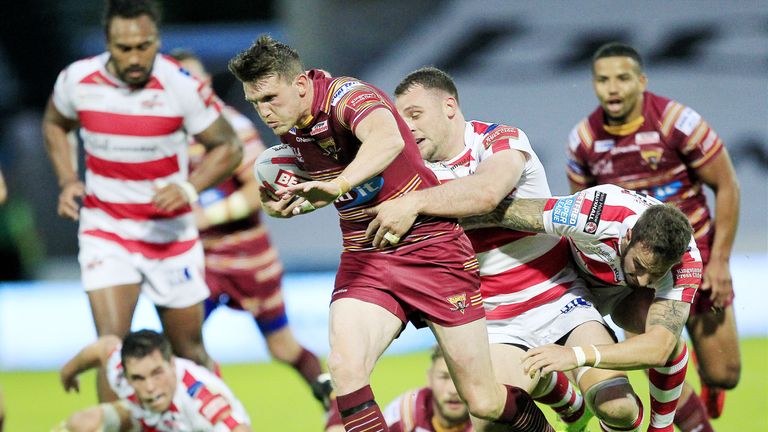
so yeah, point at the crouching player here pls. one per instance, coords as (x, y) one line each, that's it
(643, 267)
(157, 391)
(434, 408)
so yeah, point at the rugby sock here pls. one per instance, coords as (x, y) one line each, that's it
(666, 384)
(359, 411)
(307, 365)
(692, 416)
(635, 427)
(562, 397)
(521, 412)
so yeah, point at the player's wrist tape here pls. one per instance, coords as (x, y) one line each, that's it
(581, 358)
(598, 357)
(189, 191)
(234, 207)
(343, 184)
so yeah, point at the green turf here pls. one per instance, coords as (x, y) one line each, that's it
(278, 401)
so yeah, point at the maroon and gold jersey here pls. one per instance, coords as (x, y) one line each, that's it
(326, 144)
(657, 159)
(413, 411)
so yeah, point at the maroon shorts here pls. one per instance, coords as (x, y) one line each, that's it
(702, 302)
(242, 290)
(436, 280)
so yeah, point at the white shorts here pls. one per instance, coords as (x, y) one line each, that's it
(175, 282)
(547, 323)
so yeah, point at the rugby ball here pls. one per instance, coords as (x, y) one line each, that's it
(277, 167)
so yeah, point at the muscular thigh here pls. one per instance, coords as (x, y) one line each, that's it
(507, 365)
(592, 333)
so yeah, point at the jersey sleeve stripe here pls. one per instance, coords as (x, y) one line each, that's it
(671, 113)
(585, 134)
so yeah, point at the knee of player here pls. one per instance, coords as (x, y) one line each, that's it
(481, 403)
(725, 374)
(348, 370)
(613, 401)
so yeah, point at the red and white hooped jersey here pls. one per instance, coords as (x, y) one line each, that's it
(518, 271)
(202, 401)
(135, 140)
(596, 219)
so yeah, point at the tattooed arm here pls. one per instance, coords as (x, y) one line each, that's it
(521, 214)
(652, 348)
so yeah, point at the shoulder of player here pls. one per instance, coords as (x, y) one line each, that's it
(583, 133)
(172, 76)
(82, 68)
(494, 132)
(673, 116)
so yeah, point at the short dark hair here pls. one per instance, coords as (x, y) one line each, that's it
(617, 49)
(264, 58)
(142, 343)
(664, 231)
(131, 9)
(429, 78)
(437, 353)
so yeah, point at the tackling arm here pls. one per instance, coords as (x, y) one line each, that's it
(653, 348)
(521, 214)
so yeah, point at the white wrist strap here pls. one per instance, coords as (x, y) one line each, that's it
(581, 358)
(597, 356)
(189, 191)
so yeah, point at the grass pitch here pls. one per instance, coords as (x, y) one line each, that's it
(278, 400)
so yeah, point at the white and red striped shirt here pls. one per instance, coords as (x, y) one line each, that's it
(134, 140)
(202, 401)
(596, 219)
(518, 271)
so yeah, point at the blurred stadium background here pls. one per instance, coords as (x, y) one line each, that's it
(516, 62)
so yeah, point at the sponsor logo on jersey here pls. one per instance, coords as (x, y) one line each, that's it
(604, 145)
(575, 303)
(498, 133)
(459, 302)
(687, 121)
(361, 194)
(664, 192)
(319, 128)
(625, 149)
(595, 211)
(329, 148)
(603, 167)
(363, 100)
(652, 156)
(566, 210)
(210, 196)
(304, 139)
(652, 137)
(152, 103)
(341, 91)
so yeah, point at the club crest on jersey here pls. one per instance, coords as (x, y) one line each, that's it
(652, 157)
(328, 146)
(459, 302)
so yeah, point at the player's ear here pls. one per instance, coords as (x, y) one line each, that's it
(450, 106)
(643, 81)
(628, 235)
(302, 83)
